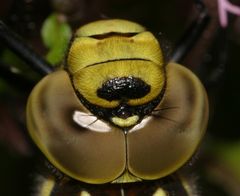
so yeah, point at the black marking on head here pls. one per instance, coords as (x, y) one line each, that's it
(123, 110)
(123, 88)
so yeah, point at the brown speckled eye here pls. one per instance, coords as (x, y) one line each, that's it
(94, 151)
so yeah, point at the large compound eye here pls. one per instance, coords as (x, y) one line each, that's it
(67, 134)
(93, 151)
(163, 142)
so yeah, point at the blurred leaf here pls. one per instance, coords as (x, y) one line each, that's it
(56, 35)
(18, 65)
(10, 58)
(229, 153)
(3, 87)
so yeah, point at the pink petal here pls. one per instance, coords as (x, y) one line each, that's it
(222, 13)
(233, 8)
(224, 6)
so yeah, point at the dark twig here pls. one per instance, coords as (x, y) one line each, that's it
(191, 35)
(20, 48)
(14, 79)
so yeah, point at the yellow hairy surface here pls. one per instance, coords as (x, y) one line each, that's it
(88, 80)
(86, 51)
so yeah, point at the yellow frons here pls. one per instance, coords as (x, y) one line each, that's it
(88, 80)
(130, 121)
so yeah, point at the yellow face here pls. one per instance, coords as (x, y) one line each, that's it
(117, 70)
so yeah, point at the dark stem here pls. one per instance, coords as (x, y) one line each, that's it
(191, 35)
(21, 49)
(14, 79)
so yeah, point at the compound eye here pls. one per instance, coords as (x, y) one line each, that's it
(99, 152)
(69, 136)
(167, 139)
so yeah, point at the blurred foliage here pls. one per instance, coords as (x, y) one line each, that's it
(56, 34)
(10, 58)
(47, 26)
(228, 153)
